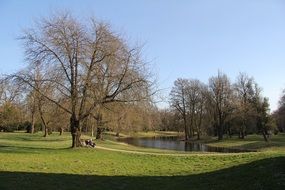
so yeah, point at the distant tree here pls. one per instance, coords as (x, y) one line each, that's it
(170, 121)
(9, 91)
(10, 117)
(178, 99)
(265, 122)
(221, 98)
(246, 90)
(10, 105)
(196, 106)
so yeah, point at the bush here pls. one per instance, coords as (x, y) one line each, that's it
(20, 127)
(9, 128)
(28, 126)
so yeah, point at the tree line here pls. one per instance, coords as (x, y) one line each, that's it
(220, 107)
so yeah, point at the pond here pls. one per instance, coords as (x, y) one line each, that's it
(175, 143)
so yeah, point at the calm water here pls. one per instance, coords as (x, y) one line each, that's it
(175, 143)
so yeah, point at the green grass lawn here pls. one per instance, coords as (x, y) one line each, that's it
(33, 162)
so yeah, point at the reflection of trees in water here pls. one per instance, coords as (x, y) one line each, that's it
(189, 146)
(173, 143)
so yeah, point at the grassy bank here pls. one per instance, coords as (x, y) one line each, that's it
(276, 143)
(34, 162)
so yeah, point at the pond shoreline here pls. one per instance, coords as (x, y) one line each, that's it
(174, 143)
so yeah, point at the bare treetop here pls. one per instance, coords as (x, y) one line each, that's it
(85, 63)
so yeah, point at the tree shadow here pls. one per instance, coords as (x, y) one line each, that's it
(263, 174)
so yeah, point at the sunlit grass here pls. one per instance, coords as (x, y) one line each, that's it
(21, 152)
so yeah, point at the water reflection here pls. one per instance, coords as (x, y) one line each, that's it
(174, 143)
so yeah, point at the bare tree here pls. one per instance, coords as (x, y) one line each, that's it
(9, 91)
(221, 97)
(245, 93)
(85, 64)
(178, 96)
(198, 93)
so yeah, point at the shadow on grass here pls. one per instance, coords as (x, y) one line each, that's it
(263, 174)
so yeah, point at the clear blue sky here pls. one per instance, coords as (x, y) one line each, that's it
(186, 38)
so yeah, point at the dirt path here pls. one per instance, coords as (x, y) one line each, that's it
(167, 154)
(139, 152)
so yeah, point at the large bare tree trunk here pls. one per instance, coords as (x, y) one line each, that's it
(99, 134)
(75, 131)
